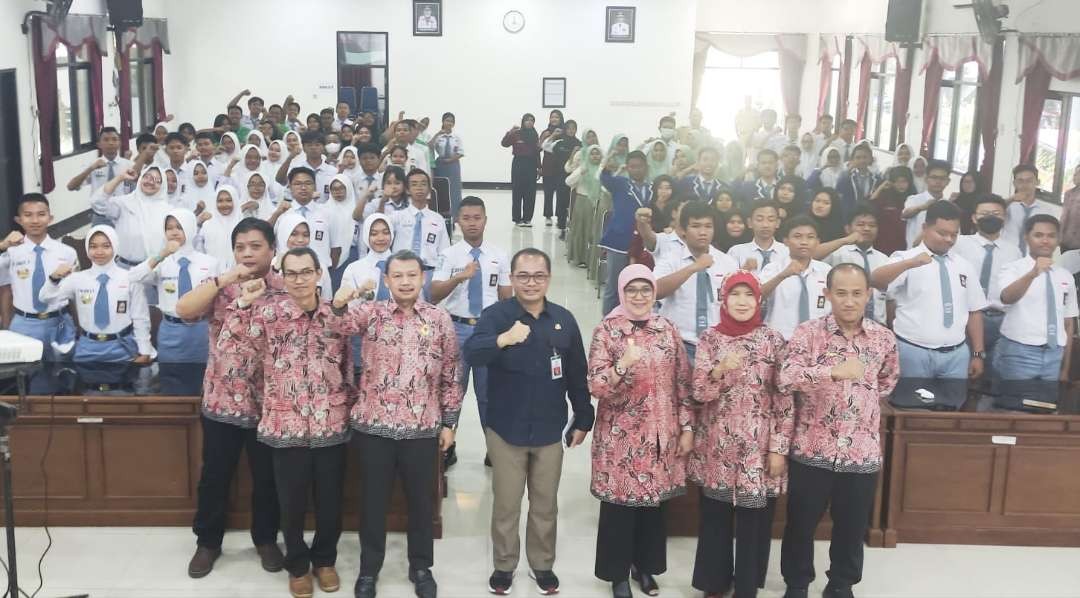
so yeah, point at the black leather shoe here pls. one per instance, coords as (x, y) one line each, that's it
(449, 457)
(836, 591)
(270, 557)
(795, 593)
(646, 582)
(202, 562)
(621, 589)
(365, 587)
(423, 583)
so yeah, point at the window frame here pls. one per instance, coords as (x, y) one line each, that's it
(384, 118)
(73, 64)
(885, 79)
(956, 84)
(143, 61)
(1057, 189)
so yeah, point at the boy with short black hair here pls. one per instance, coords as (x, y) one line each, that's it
(937, 178)
(703, 186)
(1023, 205)
(420, 229)
(858, 182)
(794, 285)
(341, 117)
(103, 169)
(858, 248)
(761, 187)
(763, 249)
(313, 143)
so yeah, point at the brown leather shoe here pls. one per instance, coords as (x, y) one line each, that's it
(202, 563)
(271, 557)
(302, 587)
(328, 579)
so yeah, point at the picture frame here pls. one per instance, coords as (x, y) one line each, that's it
(427, 18)
(554, 92)
(620, 24)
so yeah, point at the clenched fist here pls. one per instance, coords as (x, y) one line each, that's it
(515, 336)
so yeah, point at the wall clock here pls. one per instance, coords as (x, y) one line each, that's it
(514, 21)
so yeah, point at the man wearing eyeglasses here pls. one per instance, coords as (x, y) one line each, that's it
(535, 359)
(325, 240)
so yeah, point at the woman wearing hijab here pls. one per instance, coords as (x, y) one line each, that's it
(563, 145)
(618, 150)
(731, 229)
(741, 440)
(276, 152)
(525, 144)
(248, 160)
(889, 199)
(199, 191)
(257, 139)
(656, 155)
(789, 194)
(292, 230)
(902, 156)
(550, 167)
(918, 174)
(376, 238)
(808, 157)
(584, 183)
(825, 212)
(175, 271)
(639, 374)
(965, 198)
(229, 148)
(341, 205)
(173, 191)
(829, 170)
(588, 139)
(112, 310)
(136, 215)
(216, 224)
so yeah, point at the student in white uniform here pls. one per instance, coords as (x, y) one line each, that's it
(174, 272)
(340, 207)
(1040, 310)
(313, 160)
(113, 315)
(259, 195)
(199, 192)
(136, 215)
(760, 252)
(988, 252)
(1023, 205)
(939, 305)
(472, 275)
(418, 228)
(325, 239)
(794, 285)
(689, 284)
(216, 224)
(367, 273)
(103, 169)
(915, 206)
(863, 226)
(26, 260)
(666, 242)
(204, 154)
(293, 230)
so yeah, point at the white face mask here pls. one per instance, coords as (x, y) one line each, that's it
(667, 134)
(332, 148)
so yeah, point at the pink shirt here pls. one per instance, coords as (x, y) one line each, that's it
(639, 416)
(744, 418)
(306, 371)
(837, 422)
(409, 379)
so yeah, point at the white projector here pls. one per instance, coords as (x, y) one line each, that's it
(16, 348)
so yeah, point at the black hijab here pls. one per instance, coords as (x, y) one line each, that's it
(721, 239)
(529, 135)
(831, 227)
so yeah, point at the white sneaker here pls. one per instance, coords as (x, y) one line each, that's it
(526, 224)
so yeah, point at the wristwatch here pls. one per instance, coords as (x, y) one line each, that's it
(978, 354)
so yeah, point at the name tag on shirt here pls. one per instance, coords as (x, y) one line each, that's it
(121, 307)
(318, 235)
(821, 302)
(556, 367)
(963, 280)
(494, 280)
(431, 238)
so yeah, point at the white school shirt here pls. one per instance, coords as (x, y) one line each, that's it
(667, 245)
(681, 306)
(325, 235)
(845, 148)
(127, 302)
(99, 176)
(973, 249)
(17, 263)
(914, 224)
(214, 170)
(439, 144)
(324, 175)
(138, 223)
(433, 228)
(494, 272)
(850, 254)
(1025, 320)
(920, 314)
(782, 313)
(365, 269)
(166, 276)
(338, 123)
(418, 155)
(744, 251)
(1015, 216)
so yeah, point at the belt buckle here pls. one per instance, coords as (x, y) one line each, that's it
(100, 337)
(471, 321)
(42, 315)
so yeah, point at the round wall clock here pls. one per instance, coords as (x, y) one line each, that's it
(514, 21)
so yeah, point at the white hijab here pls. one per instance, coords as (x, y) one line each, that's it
(807, 159)
(920, 181)
(830, 174)
(370, 222)
(286, 224)
(109, 232)
(186, 219)
(193, 193)
(261, 145)
(266, 202)
(217, 231)
(282, 155)
(226, 156)
(896, 156)
(150, 210)
(240, 171)
(342, 211)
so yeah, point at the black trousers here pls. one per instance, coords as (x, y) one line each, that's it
(852, 500)
(562, 202)
(628, 536)
(221, 448)
(523, 185)
(556, 197)
(303, 472)
(717, 564)
(382, 459)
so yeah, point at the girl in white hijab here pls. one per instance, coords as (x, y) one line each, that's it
(832, 166)
(198, 192)
(918, 173)
(808, 158)
(135, 215)
(259, 195)
(257, 139)
(216, 226)
(341, 205)
(173, 188)
(248, 160)
(292, 230)
(161, 158)
(376, 239)
(229, 147)
(276, 152)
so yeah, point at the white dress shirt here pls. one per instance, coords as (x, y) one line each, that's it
(745, 251)
(99, 176)
(127, 302)
(915, 223)
(1025, 321)
(494, 273)
(433, 228)
(18, 262)
(365, 269)
(419, 156)
(214, 170)
(667, 245)
(782, 313)
(1015, 217)
(973, 249)
(324, 175)
(681, 306)
(166, 276)
(850, 254)
(439, 144)
(920, 313)
(139, 222)
(324, 234)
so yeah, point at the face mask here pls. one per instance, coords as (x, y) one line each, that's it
(667, 134)
(332, 148)
(990, 224)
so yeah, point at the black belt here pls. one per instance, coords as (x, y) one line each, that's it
(937, 349)
(468, 321)
(98, 336)
(175, 320)
(126, 262)
(45, 315)
(426, 268)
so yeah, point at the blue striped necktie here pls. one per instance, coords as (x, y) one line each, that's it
(476, 286)
(946, 291)
(38, 279)
(418, 229)
(101, 303)
(185, 276)
(1051, 312)
(383, 293)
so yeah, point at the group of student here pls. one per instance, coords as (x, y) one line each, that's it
(744, 354)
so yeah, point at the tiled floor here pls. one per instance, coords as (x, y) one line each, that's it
(151, 562)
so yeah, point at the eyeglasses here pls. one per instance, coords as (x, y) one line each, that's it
(298, 275)
(646, 291)
(525, 277)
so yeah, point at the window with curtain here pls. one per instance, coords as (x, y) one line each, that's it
(880, 125)
(1057, 151)
(727, 82)
(73, 131)
(832, 96)
(956, 137)
(141, 65)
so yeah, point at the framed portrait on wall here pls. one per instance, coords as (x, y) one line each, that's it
(427, 18)
(620, 24)
(554, 92)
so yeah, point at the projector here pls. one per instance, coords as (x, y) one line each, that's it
(16, 348)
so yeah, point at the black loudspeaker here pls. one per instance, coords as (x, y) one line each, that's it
(124, 14)
(903, 21)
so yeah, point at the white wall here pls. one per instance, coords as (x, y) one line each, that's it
(477, 70)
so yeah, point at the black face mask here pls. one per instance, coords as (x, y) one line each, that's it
(990, 224)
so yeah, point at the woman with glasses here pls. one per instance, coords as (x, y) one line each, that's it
(639, 374)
